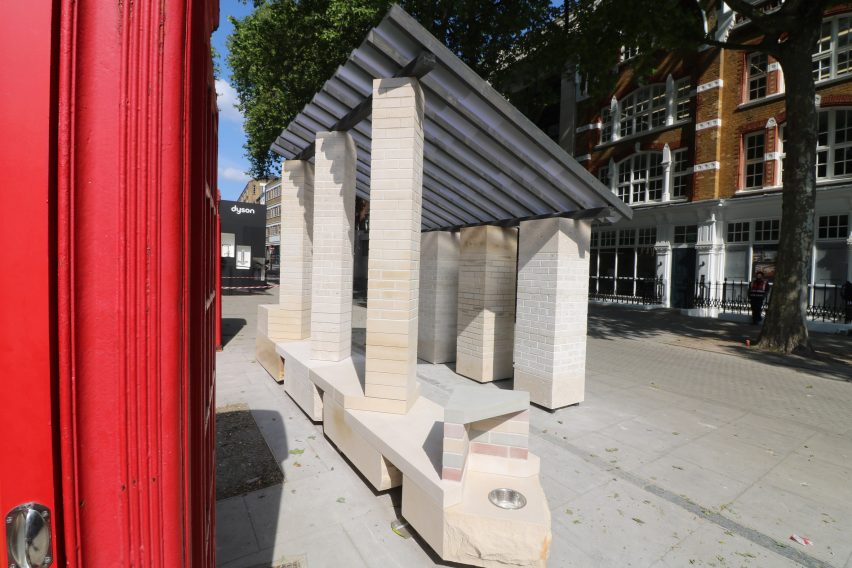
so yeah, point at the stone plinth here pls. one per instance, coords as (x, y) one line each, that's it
(297, 212)
(550, 332)
(334, 234)
(439, 285)
(396, 175)
(486, 302)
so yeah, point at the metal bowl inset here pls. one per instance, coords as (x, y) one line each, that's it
(507, 498)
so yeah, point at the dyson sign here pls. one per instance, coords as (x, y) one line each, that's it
(241, 210)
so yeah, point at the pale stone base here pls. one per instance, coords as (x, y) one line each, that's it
(301, 389)
(552, 392)
(485, 369)
(478, 533)
(454, 517)
(379, 472)
(267, 356)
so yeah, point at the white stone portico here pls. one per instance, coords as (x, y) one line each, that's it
(450, 169)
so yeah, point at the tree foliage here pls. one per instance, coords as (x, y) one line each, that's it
(597, 30)
(283, 52)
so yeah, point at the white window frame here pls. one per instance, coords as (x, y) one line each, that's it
(832, 146)
(635, 182)
(838, 224)
(757, 81)
(607, 125)
(682, 175)
(642, 110)
(629, 52)
(740, 230)
(774, 227)
(683, 98)
(828, 53)
(757, 160)
(645, 109)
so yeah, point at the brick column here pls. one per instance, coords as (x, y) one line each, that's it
(439, 288)
(396, 188)
(334, 234)
(550, 330)
(708, 127)
(297, 211)
(486, 305)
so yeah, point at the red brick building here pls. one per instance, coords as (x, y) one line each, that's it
(697, 150)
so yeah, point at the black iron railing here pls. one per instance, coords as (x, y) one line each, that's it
(644, 291)
(825, 301)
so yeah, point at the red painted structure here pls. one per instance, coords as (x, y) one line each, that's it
(108, 303)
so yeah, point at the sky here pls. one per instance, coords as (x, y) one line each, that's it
(232, 162)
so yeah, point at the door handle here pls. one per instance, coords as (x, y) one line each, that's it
(28, 536)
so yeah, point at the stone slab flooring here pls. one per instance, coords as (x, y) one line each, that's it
(690, 450)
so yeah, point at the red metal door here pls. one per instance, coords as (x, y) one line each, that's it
(27, 260)
(107, 283)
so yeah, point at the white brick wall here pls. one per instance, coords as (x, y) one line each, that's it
(396, 187)
(550, 331)
(486, 302)
(334, 233)
(297, 203)
(439, 283)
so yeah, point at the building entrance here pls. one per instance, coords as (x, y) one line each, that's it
(683, 277)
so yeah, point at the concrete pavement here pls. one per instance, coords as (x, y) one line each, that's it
(690, 450)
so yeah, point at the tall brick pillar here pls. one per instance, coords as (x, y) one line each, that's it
(297, 211)
(334, 234)
(393, 278)
(439, 288)
(550, 329)
(708, 128)
(290, 318)
(487, 274)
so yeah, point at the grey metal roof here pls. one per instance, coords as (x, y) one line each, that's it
(484, 161)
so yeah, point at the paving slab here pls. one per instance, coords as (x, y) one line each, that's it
(721, 454)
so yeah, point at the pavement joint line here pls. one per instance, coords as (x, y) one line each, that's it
(757, 537)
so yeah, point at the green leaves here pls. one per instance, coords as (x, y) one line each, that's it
(284, 51)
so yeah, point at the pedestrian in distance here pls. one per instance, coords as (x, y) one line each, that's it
(757, 295)
(846, 294)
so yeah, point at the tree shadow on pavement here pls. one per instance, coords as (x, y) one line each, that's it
(230, 328)
(833, 357)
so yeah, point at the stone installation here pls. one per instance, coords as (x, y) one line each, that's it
(290, 319)
(550, 331)
(451, 170)
(369, 404)
(486, 305)
(439, 286)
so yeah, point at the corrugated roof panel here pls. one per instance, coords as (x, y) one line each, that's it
(483, 160)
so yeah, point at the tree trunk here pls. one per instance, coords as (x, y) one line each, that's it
(785, 329)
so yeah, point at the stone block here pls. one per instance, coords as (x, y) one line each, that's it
(301, 389)
(550, 328)
(438, 308)
(486, 302)
(396, 188)
(267, 356)
(379, 472)
(333, 243)
(297, 201)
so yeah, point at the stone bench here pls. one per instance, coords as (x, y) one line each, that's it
(418, 449)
